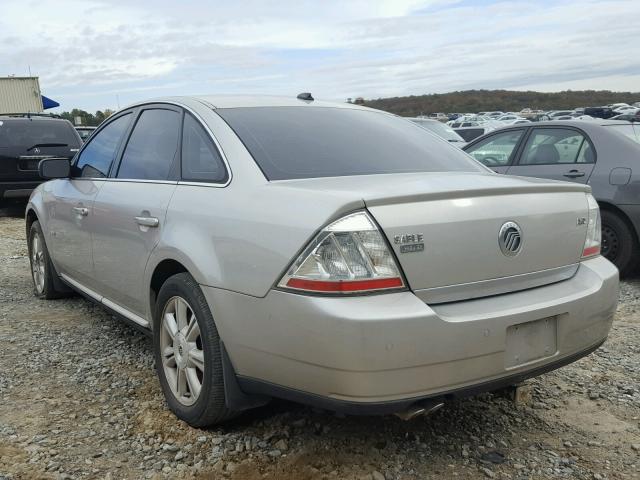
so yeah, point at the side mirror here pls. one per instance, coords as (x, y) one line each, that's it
(54, 168)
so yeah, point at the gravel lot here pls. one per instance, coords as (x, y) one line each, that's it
(79, 399)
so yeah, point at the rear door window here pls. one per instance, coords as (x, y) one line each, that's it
(152, 147)
(550, 146)
(96, 158)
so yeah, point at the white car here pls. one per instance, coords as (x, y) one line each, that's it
(616, 106)
(627, 109)
(510, 119)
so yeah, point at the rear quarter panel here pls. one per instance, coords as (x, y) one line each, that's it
(242, 239)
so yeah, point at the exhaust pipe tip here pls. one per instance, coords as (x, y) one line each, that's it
(420, 409)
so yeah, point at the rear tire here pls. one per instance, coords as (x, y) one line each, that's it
(46, 283)
(188, 354)
(618, 242)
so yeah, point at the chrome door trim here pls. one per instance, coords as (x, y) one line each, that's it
(77, 285)
(496, 286)
(125, 313)
(106, 302)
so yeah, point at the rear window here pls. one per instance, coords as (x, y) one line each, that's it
(25, 133)
(631, 131)
(302, 142)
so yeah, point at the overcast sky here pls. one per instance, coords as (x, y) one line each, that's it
(93, 54)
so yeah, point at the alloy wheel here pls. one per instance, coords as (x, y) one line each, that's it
(182, 351)
(37, 263)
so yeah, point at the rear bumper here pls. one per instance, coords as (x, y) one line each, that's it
(373, 354)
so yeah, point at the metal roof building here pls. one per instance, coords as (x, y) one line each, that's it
(22, 95)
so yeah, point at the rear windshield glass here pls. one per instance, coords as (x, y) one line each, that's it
(631, 131)
(25, 133)
(301, 142)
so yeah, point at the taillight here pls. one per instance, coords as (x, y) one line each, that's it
(348, 256)
(594, 230)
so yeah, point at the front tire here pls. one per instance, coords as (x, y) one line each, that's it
(618, 242)
(188, 353)
(43, 273)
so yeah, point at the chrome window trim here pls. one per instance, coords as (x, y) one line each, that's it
(126, 180)
(496, 286)
(179, 182)
(220, 150)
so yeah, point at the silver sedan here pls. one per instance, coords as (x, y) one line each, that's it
(324, 253)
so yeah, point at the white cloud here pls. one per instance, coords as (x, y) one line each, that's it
(88, 51)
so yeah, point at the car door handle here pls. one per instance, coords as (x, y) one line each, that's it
(573, 174)
(148, 221)
(81, 211)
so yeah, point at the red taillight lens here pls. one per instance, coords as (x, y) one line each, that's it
(342, 286)
(594, 229)
(348, 256)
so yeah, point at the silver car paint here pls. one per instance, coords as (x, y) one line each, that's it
(67, 231)
(117, 235)
(237, 240)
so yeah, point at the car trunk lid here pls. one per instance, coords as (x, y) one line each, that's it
(444, 228)
(452, 238)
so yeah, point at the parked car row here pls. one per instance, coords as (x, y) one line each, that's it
(491, 120)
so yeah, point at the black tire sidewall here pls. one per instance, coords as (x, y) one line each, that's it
(627, 255)
(211, 402)
(49, 290)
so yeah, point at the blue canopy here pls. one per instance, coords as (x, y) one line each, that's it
(48, 103)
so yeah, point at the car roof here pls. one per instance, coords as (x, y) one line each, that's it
(38, 118)
(237, 101)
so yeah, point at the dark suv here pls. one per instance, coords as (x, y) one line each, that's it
(24, 141)
(600, 112)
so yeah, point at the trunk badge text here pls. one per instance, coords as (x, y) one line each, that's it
(410, 242)
(510, 239)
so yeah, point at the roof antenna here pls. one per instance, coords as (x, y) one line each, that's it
(305, 96)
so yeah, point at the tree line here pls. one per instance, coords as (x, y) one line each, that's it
(87, 118)
(503, 100)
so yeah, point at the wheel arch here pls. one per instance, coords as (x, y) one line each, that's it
(30, 217)
(161, 272)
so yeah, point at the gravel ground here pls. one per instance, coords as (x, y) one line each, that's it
(79, 399)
